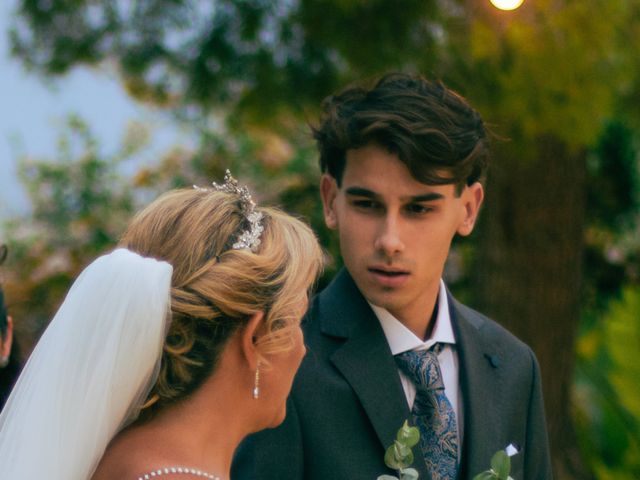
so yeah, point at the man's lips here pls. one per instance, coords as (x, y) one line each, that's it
(392, 272)
(389, 276)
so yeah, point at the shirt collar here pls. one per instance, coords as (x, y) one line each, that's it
(401, 339)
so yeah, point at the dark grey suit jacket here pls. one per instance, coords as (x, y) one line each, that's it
(347, 402)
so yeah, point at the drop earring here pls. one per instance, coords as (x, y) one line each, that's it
(256, 383)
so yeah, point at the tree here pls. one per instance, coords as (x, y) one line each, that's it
(80, 206)
(548, 77)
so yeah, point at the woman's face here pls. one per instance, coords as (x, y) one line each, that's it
(277, 379)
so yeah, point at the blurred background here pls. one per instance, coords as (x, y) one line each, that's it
(105, 104)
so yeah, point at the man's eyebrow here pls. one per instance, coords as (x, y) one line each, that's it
(427, 197)
(364, 192)
(360, 192)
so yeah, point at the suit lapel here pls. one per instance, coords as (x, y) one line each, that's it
(481, 370)
(365, 360)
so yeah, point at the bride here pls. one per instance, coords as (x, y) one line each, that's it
(168, 351)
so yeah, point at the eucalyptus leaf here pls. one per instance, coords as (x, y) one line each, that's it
(399, 456)
(409, 474)
(408, 459)
(401, 449)
(391, 460)
(501, 464)
(387, 477)
(488, 475)
(409, 436)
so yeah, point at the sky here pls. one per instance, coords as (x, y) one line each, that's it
(32, 111)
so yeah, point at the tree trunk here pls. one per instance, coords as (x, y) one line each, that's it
(528, 271)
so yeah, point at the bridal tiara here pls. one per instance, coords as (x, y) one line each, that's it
(249, 238)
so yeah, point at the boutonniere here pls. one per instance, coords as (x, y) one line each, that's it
(399, 456)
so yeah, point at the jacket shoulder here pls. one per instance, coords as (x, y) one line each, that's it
(487, 329)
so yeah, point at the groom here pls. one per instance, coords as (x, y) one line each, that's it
(402, 166)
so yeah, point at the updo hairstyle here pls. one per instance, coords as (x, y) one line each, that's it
(216, 289)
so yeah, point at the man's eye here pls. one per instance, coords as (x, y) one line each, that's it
(419, 209)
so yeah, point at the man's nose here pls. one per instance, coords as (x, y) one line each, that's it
(389, 238)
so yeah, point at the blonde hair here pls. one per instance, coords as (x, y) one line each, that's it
(216, 289)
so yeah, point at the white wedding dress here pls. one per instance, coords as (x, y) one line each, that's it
(90, 371)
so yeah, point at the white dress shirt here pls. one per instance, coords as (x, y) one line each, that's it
(401, 339)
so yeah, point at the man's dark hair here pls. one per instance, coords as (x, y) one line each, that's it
(433, 130)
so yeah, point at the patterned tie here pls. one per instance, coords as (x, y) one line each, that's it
(432, 412)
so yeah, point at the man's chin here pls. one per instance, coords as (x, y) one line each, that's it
(383, 299)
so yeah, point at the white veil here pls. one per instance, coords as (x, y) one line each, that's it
(90, 371)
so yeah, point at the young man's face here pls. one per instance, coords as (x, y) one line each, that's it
(395, 232)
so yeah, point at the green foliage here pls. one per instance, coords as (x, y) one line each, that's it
(242, 52)
(552, 66)
(500, 468)
(548, 67)
(613, 194)
(612, 203)
(607, 394)
(399, 456)
(80, 206)
(608, 429)
(73, 197)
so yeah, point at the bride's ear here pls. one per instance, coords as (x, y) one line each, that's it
(248, 340)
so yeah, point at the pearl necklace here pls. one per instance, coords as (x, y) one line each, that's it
(187, 471)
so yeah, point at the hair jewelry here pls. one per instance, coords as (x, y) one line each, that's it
(249, 238)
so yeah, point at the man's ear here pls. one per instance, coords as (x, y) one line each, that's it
(7, 340)
(328, 192)
(248, 340)
(472, 197)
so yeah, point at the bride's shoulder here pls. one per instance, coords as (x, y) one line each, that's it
(116, 464)
(146, 452)
(146, 469)
(128, 457)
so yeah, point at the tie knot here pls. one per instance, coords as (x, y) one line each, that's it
(422, 367)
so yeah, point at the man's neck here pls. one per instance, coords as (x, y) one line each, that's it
(432, 320)
(421, 318)
(401, 339)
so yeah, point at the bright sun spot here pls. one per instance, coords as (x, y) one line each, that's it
(506, 4)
